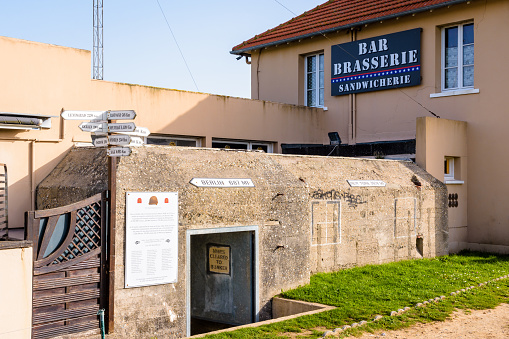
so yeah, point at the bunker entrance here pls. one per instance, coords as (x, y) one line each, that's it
(222, 279)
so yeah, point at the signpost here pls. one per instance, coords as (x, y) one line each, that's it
(99, 123)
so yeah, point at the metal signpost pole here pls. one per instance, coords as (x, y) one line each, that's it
(112, 198)
(102, 123)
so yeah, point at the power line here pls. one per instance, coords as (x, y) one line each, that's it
(175, 39)
(285, 7)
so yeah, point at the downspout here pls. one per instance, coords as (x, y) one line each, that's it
(258, 74)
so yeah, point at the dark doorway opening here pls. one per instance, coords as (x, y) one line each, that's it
(222, 280)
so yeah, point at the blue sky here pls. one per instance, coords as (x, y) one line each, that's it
(138, 46)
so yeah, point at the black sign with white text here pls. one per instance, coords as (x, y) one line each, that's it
(374, 64)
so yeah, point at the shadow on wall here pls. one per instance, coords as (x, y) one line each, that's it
(440, 240)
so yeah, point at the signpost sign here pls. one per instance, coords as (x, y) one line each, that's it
(140, 132)
(119, 140)
(121, 127)
(100, 142)
(119, 151)
(84, 115)
(121, 115)
(100, 127)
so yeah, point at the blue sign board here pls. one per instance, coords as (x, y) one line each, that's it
(379, 63)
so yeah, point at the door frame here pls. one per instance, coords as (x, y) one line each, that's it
(236, 229)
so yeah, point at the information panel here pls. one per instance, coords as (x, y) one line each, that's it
(151, 238)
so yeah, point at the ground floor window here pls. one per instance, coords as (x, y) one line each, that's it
(169, 140)
(246, 145)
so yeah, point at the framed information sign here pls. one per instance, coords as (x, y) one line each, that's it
(218, 259)
(151, 256)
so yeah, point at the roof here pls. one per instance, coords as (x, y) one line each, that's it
(336, 15)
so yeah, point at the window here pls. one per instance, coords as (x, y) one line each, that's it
(450, 175)
(458, 57)
(246, 145)
(314, 80)
(167, 140)
(448, 168)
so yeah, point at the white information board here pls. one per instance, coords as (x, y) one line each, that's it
(151, 238)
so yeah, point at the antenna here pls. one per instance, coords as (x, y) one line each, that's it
(97, 71)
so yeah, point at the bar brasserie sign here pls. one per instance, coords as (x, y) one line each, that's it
(374, 64)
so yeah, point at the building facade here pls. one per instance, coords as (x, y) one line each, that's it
(41, 80)
(374, 69)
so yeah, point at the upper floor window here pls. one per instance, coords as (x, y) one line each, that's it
(458, 57)
(314, 80)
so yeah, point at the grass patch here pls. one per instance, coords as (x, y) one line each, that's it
(361, 293)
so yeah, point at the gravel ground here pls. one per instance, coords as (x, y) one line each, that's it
(483, 324)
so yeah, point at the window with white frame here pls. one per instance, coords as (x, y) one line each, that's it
(448, 168)
(168, 140)
(452, 171)
(458, 57)
(314, 80)
(246, 145)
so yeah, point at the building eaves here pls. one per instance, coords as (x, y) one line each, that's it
(326, 19)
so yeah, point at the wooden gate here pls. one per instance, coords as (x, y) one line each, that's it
(69, 282)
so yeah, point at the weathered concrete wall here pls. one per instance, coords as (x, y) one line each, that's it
(370, 225)
(75, 178)
(309, 219)
(16, 287)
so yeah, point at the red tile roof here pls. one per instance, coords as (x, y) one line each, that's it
(336, 15)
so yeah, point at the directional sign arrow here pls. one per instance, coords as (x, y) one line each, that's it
(100, 142)
(140, 132)
(136, 142)
(119, 140)
(84, 115)
(93, 127)
(121, 115)
(121, 127)
(119, 151)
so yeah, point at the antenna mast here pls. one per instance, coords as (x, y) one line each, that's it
(97, 72)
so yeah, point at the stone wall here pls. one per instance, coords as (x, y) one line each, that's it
(309, 219)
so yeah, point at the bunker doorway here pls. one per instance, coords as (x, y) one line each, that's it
(222, 278)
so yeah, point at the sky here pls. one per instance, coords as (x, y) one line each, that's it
(138, 45)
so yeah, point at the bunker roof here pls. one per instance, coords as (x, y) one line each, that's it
(335, 15)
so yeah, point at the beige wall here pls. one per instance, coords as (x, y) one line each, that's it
(16, 287)
(437, 139)
(391, 114)
(44, 79)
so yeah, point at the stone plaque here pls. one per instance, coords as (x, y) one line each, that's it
(219, 259)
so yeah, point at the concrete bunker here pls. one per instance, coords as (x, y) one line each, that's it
(302, 215)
